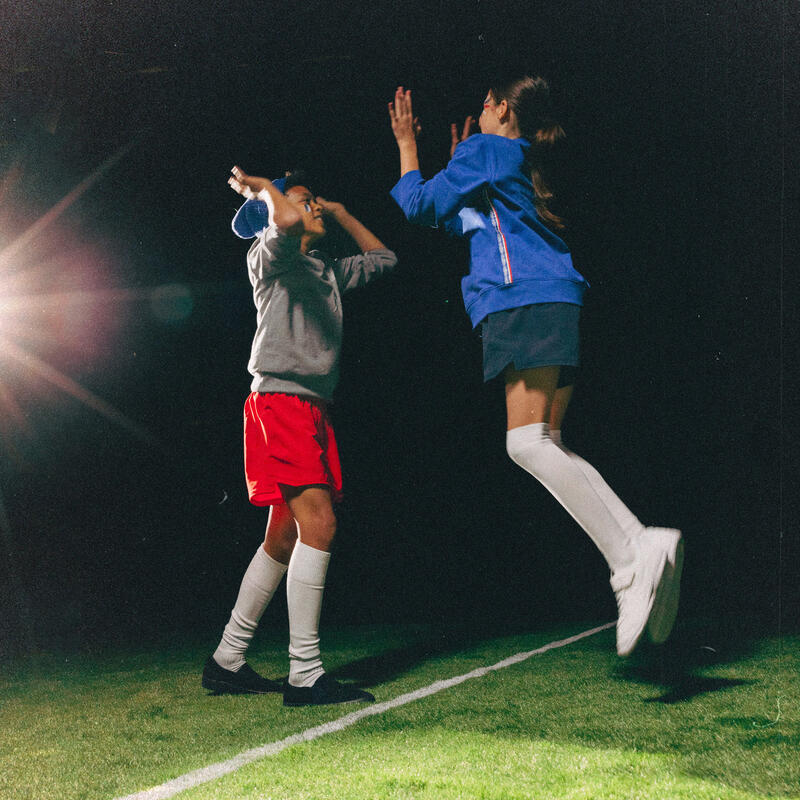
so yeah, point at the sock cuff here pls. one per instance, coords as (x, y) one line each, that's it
(269, 561)
(308, 565)
(526, 434)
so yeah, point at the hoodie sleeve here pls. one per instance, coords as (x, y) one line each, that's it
(434, 201)
(273, 252)
(355, 271)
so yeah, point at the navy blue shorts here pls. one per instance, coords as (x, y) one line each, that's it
(537, 335)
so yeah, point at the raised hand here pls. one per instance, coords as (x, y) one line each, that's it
(469, 124)
(246, 185)
(405, 126)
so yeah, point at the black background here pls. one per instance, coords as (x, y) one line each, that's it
(680, 187)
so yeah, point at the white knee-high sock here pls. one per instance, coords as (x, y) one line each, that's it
(305, 584)
(531, 447)
(258, 585)
(627, 520)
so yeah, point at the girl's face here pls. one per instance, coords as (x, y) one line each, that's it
(311, 210)
(498, 118)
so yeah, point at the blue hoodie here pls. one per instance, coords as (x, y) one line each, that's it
(485, 194)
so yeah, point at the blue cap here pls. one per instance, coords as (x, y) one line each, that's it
(253, 215)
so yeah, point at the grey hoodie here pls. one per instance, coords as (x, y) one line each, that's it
(299, 312)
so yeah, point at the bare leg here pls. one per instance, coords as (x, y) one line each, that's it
(558, 408)
(281, 533)
(531, 401)
(308, 684)
(529, 395)
(312, 508)
(636, 572)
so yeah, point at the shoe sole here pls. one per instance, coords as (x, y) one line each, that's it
(223, 687)
(665, 606)
(329, 703)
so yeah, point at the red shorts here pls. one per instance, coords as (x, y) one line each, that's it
(288, 440)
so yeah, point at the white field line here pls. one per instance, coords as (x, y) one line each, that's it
(213, 771)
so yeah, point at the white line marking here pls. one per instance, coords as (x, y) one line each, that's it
(213, 771)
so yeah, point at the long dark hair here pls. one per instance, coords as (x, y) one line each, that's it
(529, 98)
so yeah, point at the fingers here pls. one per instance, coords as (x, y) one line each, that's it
(404, 124)
(468, 123)
(238, 183)
(241, 188)
(466, 132)
(407, 101)
(236, 186)
(402, 102)
(330, 208)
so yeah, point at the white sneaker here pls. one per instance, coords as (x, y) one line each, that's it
(635, 588)
(665, 605)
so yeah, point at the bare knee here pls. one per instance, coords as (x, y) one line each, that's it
(318, 528)
(312, 508)
(279, 544)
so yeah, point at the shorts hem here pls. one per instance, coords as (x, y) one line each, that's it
(288, 440)
(265, 500)
(260, 502)
(511, 362)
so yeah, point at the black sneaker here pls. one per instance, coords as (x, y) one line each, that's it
(325, 691)
(244, 680)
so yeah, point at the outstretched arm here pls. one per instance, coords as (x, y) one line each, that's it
(284, 214)
(405, 129)
(363, 237)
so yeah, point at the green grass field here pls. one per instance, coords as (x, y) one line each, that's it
(695, 719)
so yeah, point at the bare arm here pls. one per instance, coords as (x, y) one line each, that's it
(405, 128)
(363, 237)
(284, 214)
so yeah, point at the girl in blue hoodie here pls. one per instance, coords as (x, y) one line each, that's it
(524, 291)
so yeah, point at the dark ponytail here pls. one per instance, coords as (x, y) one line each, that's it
(529, 99)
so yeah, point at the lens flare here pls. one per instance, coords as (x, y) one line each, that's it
(79, 319)
(172, 302)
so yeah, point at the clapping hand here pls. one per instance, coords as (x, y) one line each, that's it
(405, 126)
(469, 124)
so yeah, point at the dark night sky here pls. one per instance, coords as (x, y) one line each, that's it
(680, 188)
